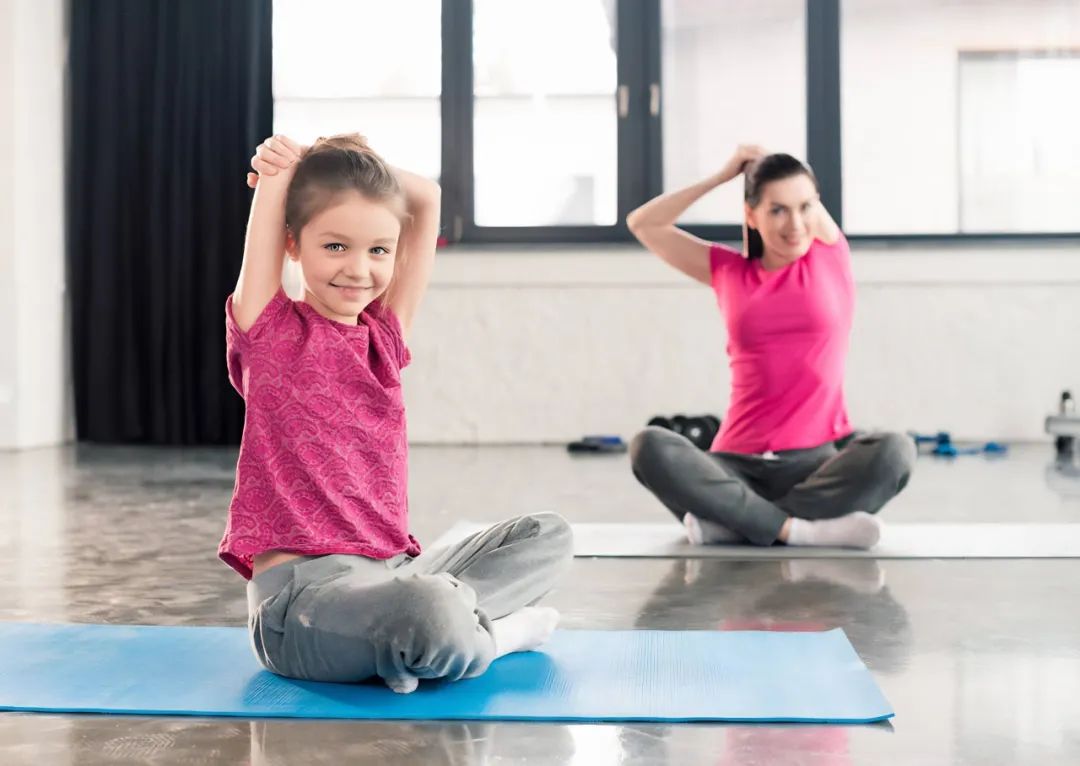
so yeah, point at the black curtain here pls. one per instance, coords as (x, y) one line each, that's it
(168, 98)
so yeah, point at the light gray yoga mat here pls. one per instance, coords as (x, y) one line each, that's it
(899, 541)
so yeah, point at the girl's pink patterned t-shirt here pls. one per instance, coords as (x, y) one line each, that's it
(323, 459)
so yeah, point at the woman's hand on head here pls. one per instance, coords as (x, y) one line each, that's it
(743, 156)
(274, 155)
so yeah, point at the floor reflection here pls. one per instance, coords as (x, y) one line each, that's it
(978, 657)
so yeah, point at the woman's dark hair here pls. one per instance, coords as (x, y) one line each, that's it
(757, 175)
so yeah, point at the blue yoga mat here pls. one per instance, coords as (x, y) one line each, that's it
(580, 675)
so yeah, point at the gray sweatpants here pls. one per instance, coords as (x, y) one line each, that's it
(753, 495)
(350, 618)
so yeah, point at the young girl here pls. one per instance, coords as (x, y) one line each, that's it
(786, 466)
(318, 523)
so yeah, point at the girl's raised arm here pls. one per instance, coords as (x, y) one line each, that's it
(416, 248)
(264, 246)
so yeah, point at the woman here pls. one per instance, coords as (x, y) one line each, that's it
(785, 466)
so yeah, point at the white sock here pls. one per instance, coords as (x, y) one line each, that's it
(855, 530)
(403, 684)
(524, 630)
(703, 532)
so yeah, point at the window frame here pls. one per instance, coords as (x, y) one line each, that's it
(640, 145)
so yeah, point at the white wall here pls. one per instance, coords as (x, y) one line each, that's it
(545, 345)
(8, 422)
(34, 386)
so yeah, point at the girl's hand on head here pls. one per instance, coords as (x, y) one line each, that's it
(273, 155)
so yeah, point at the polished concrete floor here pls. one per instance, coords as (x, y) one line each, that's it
(980, 659)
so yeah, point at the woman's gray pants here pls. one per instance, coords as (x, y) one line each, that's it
(350, 618)
(753, 495)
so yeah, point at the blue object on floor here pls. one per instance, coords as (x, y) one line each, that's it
(945, 447)
(605, 444)
(580, 675)
(941, 437)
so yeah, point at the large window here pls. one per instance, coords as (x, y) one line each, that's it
(362, 66)
(550, 121)
(724, 87)
(960, 117)
(545, 124)
(1019, 141)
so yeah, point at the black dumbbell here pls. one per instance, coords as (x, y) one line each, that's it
(661, 422)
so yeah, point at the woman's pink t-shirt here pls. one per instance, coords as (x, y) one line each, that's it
(323, 459)
(787, 343)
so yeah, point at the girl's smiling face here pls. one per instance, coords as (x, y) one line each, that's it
(347, 253)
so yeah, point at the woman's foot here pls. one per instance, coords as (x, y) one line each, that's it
(702, 532)
(855, 530)
(524, 630)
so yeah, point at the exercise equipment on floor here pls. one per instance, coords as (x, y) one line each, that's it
(598, 444)
(943, 445)
(586, 675)
(1064, 426)
(699, 429)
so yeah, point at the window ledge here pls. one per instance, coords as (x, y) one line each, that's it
(606, 266)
